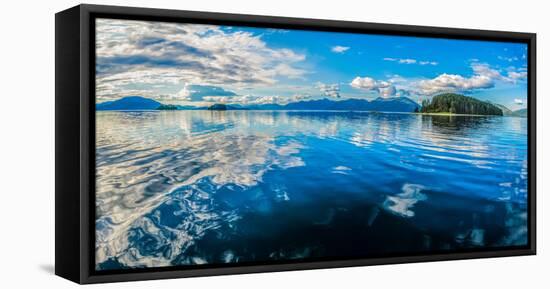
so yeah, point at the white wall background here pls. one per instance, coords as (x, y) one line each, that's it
(27, 143)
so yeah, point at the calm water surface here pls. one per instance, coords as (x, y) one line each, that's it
(204, 187)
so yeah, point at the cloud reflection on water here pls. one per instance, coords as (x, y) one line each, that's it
(134, 179)
(161, 175)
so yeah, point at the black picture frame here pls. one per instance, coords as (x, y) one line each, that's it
(75, 138)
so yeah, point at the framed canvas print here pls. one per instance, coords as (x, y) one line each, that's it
(193, 144)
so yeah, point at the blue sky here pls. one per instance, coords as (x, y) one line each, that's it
(198, 64)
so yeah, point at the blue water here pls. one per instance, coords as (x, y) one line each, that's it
(212, 187)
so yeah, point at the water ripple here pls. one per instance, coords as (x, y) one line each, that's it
(170, 185)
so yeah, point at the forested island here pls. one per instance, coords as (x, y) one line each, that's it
(459, 104)
(217, 106)
(168, 107)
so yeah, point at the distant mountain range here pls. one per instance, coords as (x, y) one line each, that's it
(443, 103)
(519, 113)
(508, 112)
(396, 104)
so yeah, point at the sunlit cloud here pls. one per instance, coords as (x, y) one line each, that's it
(484, 77)
(339, 49)
(384, 88)
(134, 55)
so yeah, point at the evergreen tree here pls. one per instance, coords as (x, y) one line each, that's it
(459, 104)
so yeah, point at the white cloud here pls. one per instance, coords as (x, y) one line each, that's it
(339, 49)
(366, 83)
(454, 82)
(183, 94)
(396, 78)
(484, 76)
(509, 59)
(484, 69)
(191, 92)
(410, 61)
(387, 91)
(428, 63)
(255, 99)
(300, 97)
(407, 61)
(384, 88)
(289, 71)
(518, 101)
(134, 56)
(330, 90)
(517, 75)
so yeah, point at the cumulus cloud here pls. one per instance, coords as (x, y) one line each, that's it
(384, 88)
(484, 69)
(339, 49)
(484, 76)
(132, 56)
(366, 83)
(387, 91)
(330, 90)
(454, 82)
